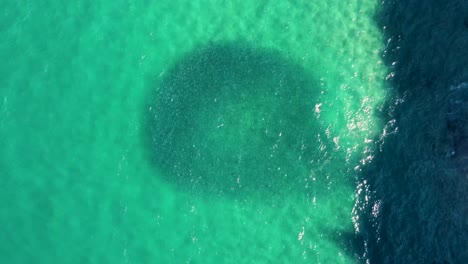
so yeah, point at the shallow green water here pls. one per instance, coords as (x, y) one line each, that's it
(78, 183)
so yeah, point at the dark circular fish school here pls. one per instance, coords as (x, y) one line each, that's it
(233, 118)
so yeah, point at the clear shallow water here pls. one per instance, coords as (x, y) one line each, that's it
(80, 184)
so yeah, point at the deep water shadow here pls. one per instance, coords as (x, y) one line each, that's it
(417, 183)
(352, 243)
(231, 118)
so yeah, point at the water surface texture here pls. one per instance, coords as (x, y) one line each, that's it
(418, 182)
(224, 132)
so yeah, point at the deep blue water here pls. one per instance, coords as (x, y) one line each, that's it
(418, 182)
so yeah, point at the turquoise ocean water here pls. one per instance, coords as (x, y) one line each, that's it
(111, 149)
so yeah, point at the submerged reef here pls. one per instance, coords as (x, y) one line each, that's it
(233, 118)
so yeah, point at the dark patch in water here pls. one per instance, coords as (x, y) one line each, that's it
(231, 118)
(417, 183)
(352, 243)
